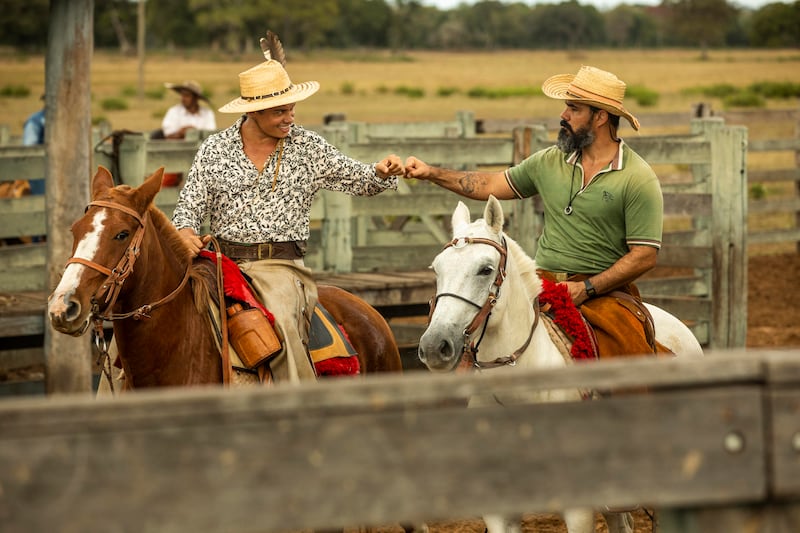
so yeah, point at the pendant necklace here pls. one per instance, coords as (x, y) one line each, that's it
(568, 209)
(279, 151)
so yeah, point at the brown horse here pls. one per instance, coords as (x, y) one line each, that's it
(130, 265)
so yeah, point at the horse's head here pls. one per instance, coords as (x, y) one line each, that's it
(480, 273)
(466, 274)
(106, 241)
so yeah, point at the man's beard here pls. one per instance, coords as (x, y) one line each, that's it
(569, 141)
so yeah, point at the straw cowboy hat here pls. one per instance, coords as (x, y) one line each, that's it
(189, 85)
(591, 86)
(265, 86)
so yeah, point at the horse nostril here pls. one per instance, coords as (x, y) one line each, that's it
(73, 310)
(446, 349)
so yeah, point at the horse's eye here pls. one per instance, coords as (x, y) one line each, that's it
(121, 236)
(486, 271)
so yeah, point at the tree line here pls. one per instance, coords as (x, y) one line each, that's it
(232, 26)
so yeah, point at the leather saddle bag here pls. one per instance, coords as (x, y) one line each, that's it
(251, 335)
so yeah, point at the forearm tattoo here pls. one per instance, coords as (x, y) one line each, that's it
(469, 182)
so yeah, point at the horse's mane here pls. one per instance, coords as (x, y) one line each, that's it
(527, 267)
(199, 277)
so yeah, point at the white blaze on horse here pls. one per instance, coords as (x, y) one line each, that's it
(485, 311)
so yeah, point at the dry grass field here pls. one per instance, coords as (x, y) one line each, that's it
(363, 85)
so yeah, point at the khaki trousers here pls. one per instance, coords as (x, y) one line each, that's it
(288, 290)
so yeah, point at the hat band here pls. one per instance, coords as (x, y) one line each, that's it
(581, 93)
(270, 95)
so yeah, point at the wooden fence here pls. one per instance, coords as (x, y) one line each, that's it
(404, 230)
(712, 446)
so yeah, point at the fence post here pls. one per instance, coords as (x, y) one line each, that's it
(728, 188)
(337, 224)
(797, 182)
(467, 121)
(132, 160)
(526, 222)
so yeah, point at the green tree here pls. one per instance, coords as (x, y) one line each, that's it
(700, 23)
(361, 23)
(630, 26)
(23, 24)
(776, 26)
(567, 25)
(174, 23)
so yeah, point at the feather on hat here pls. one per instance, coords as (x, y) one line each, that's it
(268, 85)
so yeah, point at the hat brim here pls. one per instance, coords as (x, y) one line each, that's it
(557, 87)
(178, 88)
(298, 92)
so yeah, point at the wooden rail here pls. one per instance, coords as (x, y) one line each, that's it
(712, 446)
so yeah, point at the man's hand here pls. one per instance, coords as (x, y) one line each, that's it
(391, 165)
(192, 241)
(417, 169)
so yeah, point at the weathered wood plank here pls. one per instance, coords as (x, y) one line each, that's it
(785, 174)
(21, 162)
(771, 236)
(774, 517)
(356, 436)
(22, 216)
(781, 205)
(785, 442)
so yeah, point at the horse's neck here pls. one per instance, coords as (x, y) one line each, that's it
(174, 346)
(511, 323)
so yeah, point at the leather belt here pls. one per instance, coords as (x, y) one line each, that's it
(262, 250)
(558, 276)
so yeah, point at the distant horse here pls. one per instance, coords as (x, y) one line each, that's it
(482, 264)
(130, 265)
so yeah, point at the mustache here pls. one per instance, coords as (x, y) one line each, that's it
(564, 124)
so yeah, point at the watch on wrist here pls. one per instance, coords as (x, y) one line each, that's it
(591, 292)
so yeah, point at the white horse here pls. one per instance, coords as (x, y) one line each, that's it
(483, 271)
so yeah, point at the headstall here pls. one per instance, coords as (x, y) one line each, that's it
(481, 319)
(110, 289)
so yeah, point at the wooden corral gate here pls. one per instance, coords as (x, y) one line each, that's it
(380, 247)
(713, 446)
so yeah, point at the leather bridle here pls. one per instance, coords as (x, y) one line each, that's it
(110, 289)
(469, 352)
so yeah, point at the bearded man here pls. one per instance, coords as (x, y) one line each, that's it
(603, 208)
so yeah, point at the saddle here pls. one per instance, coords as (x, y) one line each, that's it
(329, 348)
(616, 324)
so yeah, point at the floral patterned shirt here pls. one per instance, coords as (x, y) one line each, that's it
(226, 187)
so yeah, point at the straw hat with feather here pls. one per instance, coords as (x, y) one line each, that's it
(268, 85)
(591, 86)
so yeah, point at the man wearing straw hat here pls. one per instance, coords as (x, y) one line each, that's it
(255, 181)
(603, 207)
(188, 114)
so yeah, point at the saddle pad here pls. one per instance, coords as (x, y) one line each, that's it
(330, 349)
(567, 317)
(236, 285)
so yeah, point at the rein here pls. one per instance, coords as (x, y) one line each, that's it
(470, 351)
(117, 276)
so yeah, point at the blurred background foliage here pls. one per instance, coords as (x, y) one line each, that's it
(227, 26)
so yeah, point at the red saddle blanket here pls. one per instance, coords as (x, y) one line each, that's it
(565, 315)
(329, 347)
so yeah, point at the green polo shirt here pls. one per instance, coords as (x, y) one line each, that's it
(621, 206)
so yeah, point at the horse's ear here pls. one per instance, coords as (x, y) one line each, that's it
(101, 182)
(460, 217)
(151, 186)
(493, 214)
